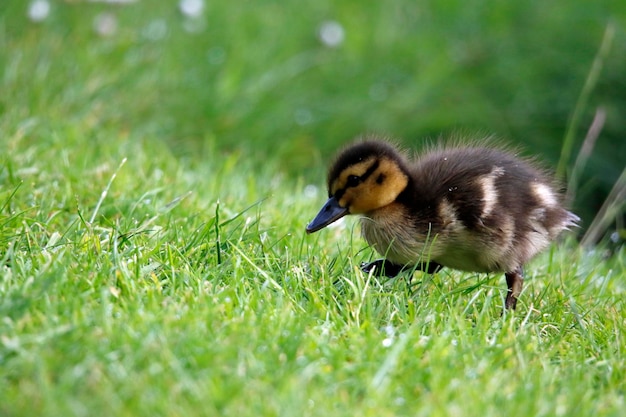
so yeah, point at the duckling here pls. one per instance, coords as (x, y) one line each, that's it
(471, 207)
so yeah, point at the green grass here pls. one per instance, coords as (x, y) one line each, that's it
(153, 199)
(144, 311)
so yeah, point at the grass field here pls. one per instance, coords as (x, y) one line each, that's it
(153, 260)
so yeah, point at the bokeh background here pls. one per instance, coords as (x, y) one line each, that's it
(287, 82)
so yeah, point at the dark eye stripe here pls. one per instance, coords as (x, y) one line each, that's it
(370, 170)
(353, 181)
(339, 193)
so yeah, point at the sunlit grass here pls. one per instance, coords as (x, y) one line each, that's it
(154, 299)
(154, 188)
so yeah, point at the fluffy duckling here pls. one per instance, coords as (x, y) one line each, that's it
(471, 207)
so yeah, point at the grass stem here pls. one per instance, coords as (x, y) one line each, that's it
(583, 99)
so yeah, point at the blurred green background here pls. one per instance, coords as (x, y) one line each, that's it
(287, 82)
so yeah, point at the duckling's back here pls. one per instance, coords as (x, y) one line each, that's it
(481, 209)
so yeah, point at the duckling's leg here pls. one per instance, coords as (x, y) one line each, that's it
(389, 269)
(382, 267)
(514, 281)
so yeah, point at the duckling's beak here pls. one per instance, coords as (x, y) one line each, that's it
(331, 212)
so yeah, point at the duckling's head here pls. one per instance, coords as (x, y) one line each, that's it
(365, 176)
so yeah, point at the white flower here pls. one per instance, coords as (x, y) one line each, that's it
(191, 8)
(331, 33)
(38, 10)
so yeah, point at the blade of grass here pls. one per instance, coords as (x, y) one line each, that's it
(585, 152)
(106, 191)
(268, 279)
(583, 98)
(218, 250)
(6, 203)
(615, 202)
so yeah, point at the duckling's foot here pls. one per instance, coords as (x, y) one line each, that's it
(429, 267)
(515, 282)
(389, 269)
(382, 267)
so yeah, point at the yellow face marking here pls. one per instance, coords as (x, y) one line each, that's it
(380, 188)
(357, 169)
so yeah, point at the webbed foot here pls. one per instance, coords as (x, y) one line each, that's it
(383, 267)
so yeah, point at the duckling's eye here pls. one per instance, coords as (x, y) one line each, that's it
(353, 181)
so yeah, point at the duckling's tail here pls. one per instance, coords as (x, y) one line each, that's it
(570, 220)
